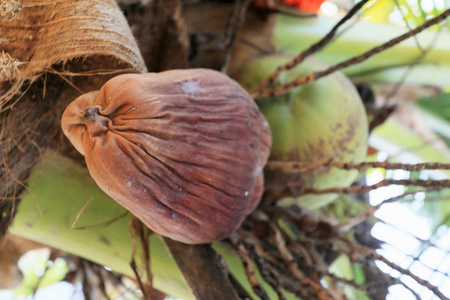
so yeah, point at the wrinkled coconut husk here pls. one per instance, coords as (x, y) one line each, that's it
(51, 52)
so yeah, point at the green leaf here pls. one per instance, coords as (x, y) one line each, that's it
(33, 265)
(344, 268)
(436, 111)
(293, 35)
(55, 273)
(61, 188)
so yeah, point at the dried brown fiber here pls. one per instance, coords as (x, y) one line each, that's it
(38, 34)
(51, 52)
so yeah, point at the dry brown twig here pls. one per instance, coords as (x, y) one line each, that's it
(341, 244)
(283, 89)
(269, 264)
(295, 166)
(296, 267)
(314, 48)
(425, 243)
(352, 222)
(267, 259)
(101, 225)
(371, 254)
(80, 212)
(141, 232)
(337, 234)
(280, 262)
(262, 260)
(319, 290)
(337, 241)
(234, 26)
(367, 188)
(8, 170)
(286, 261)
(248, 267)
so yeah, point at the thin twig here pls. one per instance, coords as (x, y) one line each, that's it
(253, 46)
(289, 259)
(144, 234)
(314, 48)
(352, 222)
(5, 165)
(248, 267)
(91, 72)
(397, 4)
(283, 89)
(371, 254)
(426, 243)
(365, 189)
(236, 22)
(102, 225)
(293, 166)
(134, 226)
(417, 258)
(411, 66)
(259, 258)
(267, 258)
(80, 212)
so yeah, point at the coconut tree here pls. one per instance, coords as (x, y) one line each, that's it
(309, 237)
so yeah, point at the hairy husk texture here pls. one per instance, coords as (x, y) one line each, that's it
(38, 35)
(50, 51)
(183, 150)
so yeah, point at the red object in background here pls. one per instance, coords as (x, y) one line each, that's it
(310, 6)
(371, 151)
(305, 5)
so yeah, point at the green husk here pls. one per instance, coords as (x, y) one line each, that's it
(324, 119)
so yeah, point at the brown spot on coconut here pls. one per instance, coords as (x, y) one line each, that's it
(324, 119)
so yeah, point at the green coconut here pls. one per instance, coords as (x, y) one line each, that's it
(321, 120)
